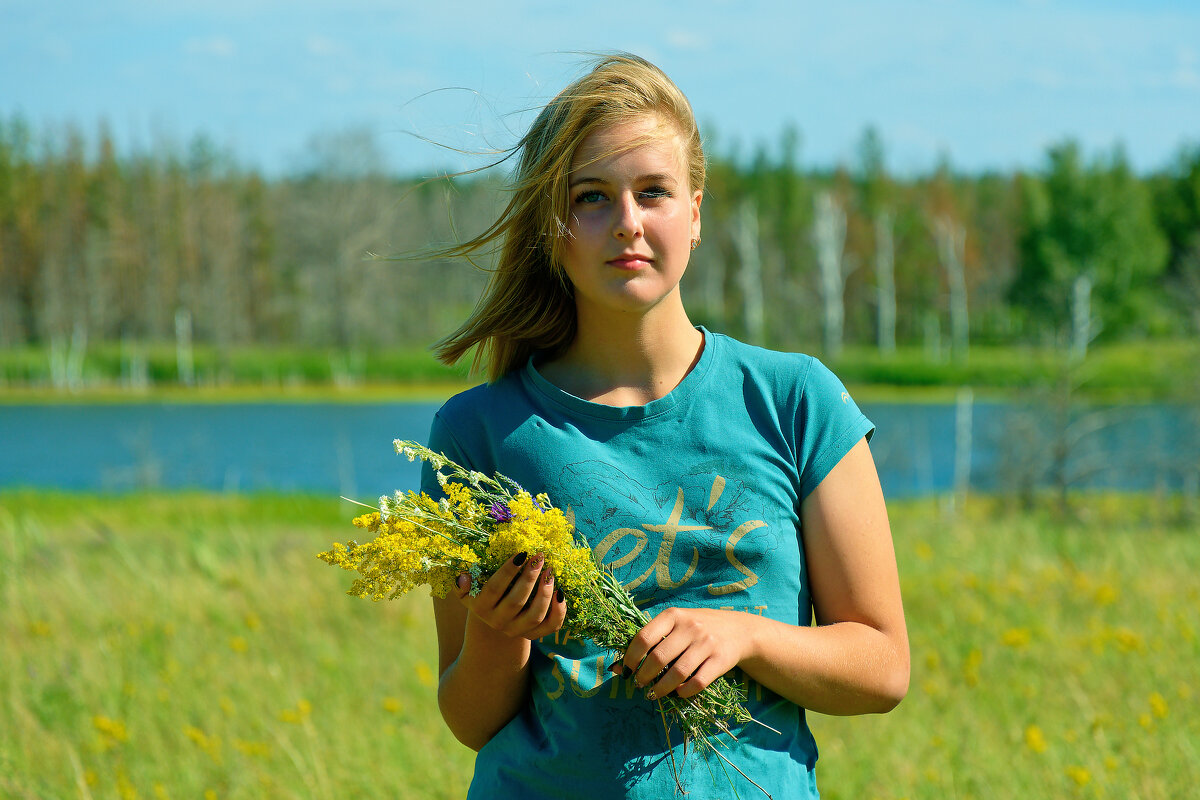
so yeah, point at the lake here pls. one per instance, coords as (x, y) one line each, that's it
(345, 449)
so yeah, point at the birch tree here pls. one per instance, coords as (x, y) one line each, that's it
(829, 239)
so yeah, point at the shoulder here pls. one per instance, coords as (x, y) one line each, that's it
(783, 373)
(485, 397)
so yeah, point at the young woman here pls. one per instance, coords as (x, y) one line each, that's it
(730, 488)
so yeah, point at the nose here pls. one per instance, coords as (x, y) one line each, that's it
(628, 222)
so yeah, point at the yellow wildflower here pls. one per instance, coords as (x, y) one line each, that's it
(1158, 705)
(1017, 637)
(1080, 775)
(1035, 740)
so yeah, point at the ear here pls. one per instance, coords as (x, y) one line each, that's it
(697, 198)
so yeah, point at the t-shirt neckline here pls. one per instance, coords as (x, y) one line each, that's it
(685, 389)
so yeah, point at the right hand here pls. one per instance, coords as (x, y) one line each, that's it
(518, 600)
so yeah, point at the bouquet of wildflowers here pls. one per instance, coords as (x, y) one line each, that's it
(481, 523)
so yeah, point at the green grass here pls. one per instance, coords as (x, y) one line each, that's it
(175, 645)
(1153, 370)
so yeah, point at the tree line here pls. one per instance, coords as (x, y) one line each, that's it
(185, 245)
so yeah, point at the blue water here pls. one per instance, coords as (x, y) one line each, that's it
(346, 449)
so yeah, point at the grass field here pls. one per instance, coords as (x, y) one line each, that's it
(192, 646)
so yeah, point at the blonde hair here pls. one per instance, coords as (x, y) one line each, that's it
(528, 305)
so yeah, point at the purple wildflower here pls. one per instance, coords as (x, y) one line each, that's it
(500, 512)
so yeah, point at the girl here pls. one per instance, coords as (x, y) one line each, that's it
(730, 488)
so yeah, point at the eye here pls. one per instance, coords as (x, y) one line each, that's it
(589, 196)
(655, 192)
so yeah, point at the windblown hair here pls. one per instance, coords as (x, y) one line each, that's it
(528, 305)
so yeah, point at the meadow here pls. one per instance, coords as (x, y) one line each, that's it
(172, 645)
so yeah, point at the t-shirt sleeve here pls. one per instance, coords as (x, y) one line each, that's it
(830, 423)
(441, 440)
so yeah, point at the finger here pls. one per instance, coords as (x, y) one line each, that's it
(646, 639)
(556, 614)
(680, 671)
(659, 659)
(495, 587)
(521, 590)
(534, 612)
(701, 679)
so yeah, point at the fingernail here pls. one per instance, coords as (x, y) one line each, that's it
(549, 578)
(462, 581)
(626, 671)
(519, 558)
(650, 695)
(558, 595)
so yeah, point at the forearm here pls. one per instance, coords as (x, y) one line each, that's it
(487, 684)
(843, 668)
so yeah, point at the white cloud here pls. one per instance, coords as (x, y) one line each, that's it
(218, 46)
(318, 45)
(1187, 69)
(686, 40)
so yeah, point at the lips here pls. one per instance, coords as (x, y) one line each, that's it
(630, 262)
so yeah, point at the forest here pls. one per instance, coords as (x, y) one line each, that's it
(183, 245)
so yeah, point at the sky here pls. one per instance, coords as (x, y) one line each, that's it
(988, 85)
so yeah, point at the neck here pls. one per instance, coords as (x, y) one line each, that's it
(627, 359)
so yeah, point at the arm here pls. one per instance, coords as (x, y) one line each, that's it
(855, 661)
(484, 644)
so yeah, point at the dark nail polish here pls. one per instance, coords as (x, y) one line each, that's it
(626, 671)
(558, 595)
(519, 558)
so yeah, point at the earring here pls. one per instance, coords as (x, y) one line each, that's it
(695, 242)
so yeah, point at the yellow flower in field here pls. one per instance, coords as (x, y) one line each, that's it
(226, 705)
(160, 791)
(252, 621)
(209, 744)
(298, 714)
(254, 749)
(1035, 740)
(1128, 641)
(238, 644)
(425, 674)
(40, 628)
(112, 732)
(1158, 705)
(1106, 594)
(1017, 637)
(1080, 775)
(971, 666)
(392, 705)
(1111, 763)
(1145, 720)
(125, 788)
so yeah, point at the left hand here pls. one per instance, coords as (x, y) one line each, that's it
(684, 650)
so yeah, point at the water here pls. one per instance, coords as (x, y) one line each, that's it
(346, 449)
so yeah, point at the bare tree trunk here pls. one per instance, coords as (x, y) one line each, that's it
(829, 236)
(885, 282)
(1081, 316)
(749, 276)
(951, 239)
(183, 347)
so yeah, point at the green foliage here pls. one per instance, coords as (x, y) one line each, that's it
(1094, 220)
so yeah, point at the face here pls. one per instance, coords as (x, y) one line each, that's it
(632, 218)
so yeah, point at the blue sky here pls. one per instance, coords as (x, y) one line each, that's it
(990, 84)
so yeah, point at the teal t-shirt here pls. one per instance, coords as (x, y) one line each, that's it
(693, 500)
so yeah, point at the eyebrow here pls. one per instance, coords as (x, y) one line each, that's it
(653, 177)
